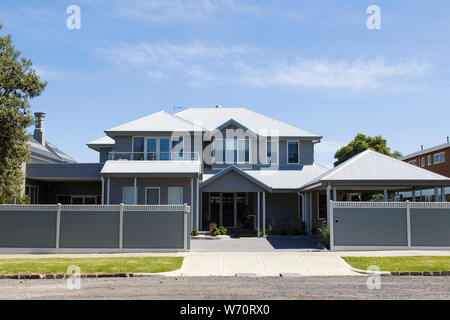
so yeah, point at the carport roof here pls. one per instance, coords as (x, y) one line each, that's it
(373, 167)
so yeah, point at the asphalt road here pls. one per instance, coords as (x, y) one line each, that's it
(230, 288)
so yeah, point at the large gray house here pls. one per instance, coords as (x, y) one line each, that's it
(233, 166)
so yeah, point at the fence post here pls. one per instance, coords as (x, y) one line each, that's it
(121, 227)
(408, 222)
(58, 225)
(185, 216)
(331, 222)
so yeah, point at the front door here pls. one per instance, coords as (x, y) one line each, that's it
(228, 212)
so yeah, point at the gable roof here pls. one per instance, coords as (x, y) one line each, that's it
(212, 118)
(104, 142)
(162, 121)
(428, 150)
(49, 152)
(233, 168)
(374, 166)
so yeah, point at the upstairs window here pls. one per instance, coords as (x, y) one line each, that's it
(429, 160)
(413, 162)
(231, 150)
(272, 151)
(292, 152)
(439, 157)
(138, 148)
(422, 162)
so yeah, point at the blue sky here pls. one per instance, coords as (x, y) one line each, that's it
(313, 64)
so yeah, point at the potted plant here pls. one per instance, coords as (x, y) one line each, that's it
(212, 226)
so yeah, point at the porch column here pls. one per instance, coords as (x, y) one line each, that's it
(264, 213)
(442, 194)
(328, 202)
(436, 194)
(413, 192)
(192, 202)
(103, 190)
(135, 190)
(257, 223)
(310, 211)
(108, 187)
(197, 205)
(385, 194)
(334, 194)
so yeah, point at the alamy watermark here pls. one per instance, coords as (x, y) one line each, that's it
(374, 281)
(74, 20)
(73, 282)
(374, 20)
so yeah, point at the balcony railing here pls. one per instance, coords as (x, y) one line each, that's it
(154, 156)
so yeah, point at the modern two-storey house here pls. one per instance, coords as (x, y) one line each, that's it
(233, 166)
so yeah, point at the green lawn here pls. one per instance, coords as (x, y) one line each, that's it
(91, 265)
(401, 263)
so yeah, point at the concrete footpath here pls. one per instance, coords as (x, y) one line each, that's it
(263, 264)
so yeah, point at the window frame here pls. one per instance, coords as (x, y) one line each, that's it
(276, 151)
(429, 160)
(422, 162)
(134, 196)
(158, 145)
(438, 155)
(298, 152)
(182, 194)
(159, 196)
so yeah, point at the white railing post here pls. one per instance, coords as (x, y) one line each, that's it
(58, 225)
(331, 225)
(185, 215)
(121, 226)
(408, 222)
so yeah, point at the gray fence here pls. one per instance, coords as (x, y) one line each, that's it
(93, 228)
(389, 225)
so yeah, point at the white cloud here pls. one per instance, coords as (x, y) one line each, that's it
(319, 73)
(243, 65)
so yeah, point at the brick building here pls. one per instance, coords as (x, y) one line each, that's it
(436, 159)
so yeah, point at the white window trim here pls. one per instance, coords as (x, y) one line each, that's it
(159, 194)
(176, 187)
(158, 144)
(298, 151)
(277, 151)
(429, 160)
(123, 193)
(439, 157)
(422, 162)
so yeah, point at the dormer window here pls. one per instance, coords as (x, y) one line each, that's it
(231, 150)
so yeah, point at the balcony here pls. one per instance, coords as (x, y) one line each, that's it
(154, 156)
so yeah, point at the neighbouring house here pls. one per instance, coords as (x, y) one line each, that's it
(41, 151)
(233, 166)
(436, 159)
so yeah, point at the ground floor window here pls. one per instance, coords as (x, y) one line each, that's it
(32, 193)
(83, 199)
(175, 195)
(152, 195)
(322, 206)
(128, 195)
(229, 209)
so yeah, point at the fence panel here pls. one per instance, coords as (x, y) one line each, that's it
(93, 228)
(389, 225)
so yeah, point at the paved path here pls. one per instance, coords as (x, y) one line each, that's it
(223, 288)
(269, 244)
(263, 264)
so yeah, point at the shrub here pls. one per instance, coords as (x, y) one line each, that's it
(325, 236)
(222, 230)
(215, 232)
(212, 225)
(194, 233)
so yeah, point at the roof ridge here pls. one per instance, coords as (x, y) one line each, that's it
(182, 119)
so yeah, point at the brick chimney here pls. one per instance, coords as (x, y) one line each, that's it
(39, 130)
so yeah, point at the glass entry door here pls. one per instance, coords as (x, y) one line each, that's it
(228, 212)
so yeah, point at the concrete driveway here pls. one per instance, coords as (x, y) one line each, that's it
(269, 244)
(264, 264)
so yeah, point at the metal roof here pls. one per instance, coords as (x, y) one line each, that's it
(104, 142)
(138, 167)
(280, 179)
(158, 122)
(212, 118)
(374, 166)
(49, 152)
(428, 150)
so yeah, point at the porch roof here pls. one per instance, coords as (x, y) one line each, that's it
(113, 167)
(372, 169)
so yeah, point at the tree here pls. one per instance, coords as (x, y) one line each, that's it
(362, 143)
(19, 83)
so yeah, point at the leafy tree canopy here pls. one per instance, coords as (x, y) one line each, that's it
(362, 143)
(19, 83)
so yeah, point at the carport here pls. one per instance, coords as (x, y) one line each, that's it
(370, 171)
